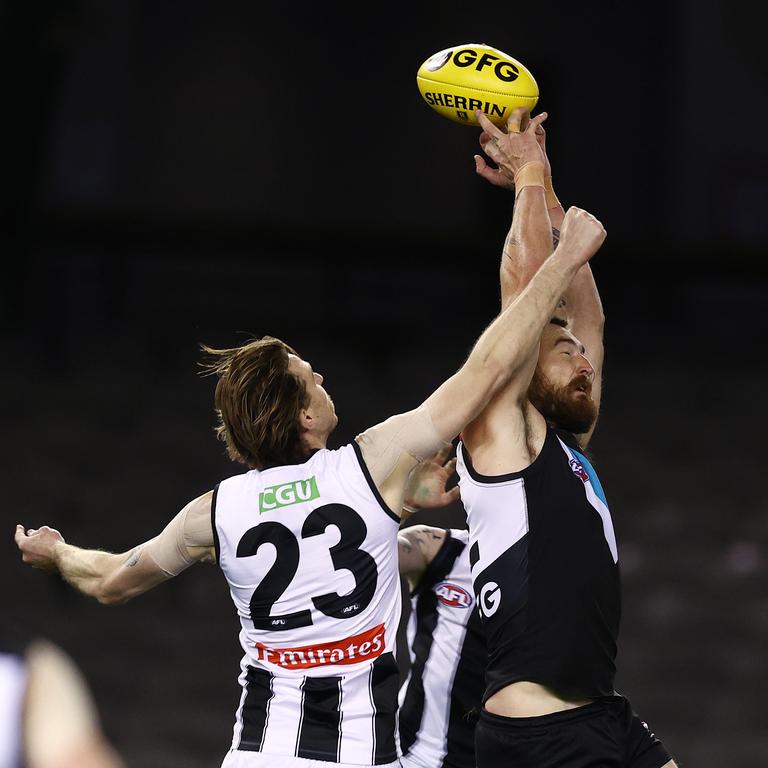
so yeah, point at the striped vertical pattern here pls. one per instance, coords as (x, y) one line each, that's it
(385, 680)
(255, 711)
(320, 730)
(436, 728)
(413, 708)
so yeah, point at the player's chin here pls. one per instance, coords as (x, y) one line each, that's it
(581, 413)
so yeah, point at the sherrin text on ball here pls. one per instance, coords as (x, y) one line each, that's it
(457, 81)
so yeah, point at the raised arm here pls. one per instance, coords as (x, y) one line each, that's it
(503, 356)
(504, 353)
(583, 307)
(584, 312)
(523, 167)
(526, 245)
(116, 578)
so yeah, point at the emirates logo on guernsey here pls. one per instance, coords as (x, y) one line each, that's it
(366, 646)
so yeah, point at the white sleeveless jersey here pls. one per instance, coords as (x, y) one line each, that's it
(13, 682)
(442, 695)
(310, 554)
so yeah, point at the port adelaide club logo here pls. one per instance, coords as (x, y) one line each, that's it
(578, 469)
(453, 595)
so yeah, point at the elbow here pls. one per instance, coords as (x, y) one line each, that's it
(109, 594)
(111, 598)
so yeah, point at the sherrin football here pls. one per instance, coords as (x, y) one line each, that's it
(457, 81)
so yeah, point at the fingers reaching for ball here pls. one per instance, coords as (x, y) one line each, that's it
(492, 175)
(489, 129)
(518, 120)
(535, 124)
(512, 149)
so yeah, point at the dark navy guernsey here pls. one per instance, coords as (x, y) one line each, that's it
(545, 571)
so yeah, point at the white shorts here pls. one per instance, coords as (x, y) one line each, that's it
(237, 758)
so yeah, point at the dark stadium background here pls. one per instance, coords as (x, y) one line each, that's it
(177, 173)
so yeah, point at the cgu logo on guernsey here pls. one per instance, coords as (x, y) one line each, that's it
(453, 595)
(366, 646)
(284, 495)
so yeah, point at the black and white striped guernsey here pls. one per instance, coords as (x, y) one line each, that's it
(310, 554)
(444, 688)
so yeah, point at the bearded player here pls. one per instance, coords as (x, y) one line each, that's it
(307, 537)
(543, 550)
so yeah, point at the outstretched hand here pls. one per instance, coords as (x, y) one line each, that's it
(37, 546)
(523, 142)
(427, 483)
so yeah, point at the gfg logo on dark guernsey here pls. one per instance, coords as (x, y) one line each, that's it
(504, 70)
(490, 597)
(453, 595)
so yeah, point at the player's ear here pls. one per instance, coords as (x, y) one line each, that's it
(306, 420)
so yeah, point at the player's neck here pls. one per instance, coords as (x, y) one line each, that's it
(313, 442)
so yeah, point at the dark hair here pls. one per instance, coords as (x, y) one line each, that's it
(258, 402)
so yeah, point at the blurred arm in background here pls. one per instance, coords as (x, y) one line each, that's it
(60, 724)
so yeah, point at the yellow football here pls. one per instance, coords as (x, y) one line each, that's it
(457, 81)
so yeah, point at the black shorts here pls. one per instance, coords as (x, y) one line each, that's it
(603, 734)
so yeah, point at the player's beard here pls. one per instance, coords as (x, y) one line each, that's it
(563, 406)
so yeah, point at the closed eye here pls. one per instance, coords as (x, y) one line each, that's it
(571, 344)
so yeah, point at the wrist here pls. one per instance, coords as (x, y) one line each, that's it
(56, 553)
(409, 507)
(549, 193)
(530, 174)
(568, 259)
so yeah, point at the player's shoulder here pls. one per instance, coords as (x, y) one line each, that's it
(201, 504)
(345, 457)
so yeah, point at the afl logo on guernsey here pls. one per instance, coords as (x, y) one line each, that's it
(579, 470)
(453, 595)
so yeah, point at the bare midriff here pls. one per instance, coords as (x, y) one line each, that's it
(526, 699)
